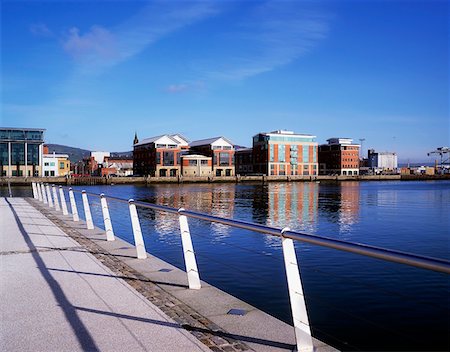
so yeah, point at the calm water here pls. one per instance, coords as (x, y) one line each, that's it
(354, 302)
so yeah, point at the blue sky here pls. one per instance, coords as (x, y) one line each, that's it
(93, 73)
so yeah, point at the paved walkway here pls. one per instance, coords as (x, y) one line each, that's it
(47, 304)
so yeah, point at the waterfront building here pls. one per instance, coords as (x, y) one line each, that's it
(21, 151)
(285, 153)
(117, 165)
(244, 161)
(56, 164)
(159, 156)
(340, 156)
(93, 163)
(221, 150)
(382, 162)
(100, 157)
(196, 165)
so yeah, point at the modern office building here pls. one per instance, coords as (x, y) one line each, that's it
(221, 150)
(340, 156)
(159, 156)
(285, 153)
(56, 164)
(21, 151)
(382, 162)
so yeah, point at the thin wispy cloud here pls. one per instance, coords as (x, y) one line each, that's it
(101, 48)
(176, 88)
(40, 30)
(185, 87)
(275, 34)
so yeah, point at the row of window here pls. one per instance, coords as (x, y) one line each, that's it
(51, 163)
(293, 154)
(14, 135)
(222, 147)
(167, 146)
(295, 170)
(18, 154)
(287, 139)
(195, 162)
(349, 173)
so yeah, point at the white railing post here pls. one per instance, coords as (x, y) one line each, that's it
(55, 198)
(49, 196)
(44, 194)
(138, 239)
(63, 201)
(106, 218)
(39, 192)
(189, 254)
(87, 211)
(73, 206)
(33, 186)
(296, 297)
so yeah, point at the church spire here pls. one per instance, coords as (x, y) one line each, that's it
(136, 140)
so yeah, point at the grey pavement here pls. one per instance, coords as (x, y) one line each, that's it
(48, 303)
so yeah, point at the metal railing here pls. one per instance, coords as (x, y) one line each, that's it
(297, 301)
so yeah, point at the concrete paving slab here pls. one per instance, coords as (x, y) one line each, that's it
(64, 299)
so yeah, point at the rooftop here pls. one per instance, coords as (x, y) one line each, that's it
(175, 138)
(208, 141)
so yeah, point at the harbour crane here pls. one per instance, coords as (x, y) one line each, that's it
(443, 152)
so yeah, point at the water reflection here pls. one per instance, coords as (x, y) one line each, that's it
(340, 204)
(213, 199)
(296, 205)
(293, 205)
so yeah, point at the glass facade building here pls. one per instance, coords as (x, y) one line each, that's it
(21, 151)
(285, 153)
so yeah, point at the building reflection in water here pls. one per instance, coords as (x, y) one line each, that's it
(297, 205)
(339, 203)
(292, 205)
(217, 200)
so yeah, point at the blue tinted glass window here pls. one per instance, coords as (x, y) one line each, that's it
(17, 153)
(4, 154)
(33, 154)
(4, 134)
(306, 154)
(281, 153)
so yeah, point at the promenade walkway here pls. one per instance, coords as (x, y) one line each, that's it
(48, 304)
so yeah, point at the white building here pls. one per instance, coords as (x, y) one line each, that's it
(382, 162)
(56, 164)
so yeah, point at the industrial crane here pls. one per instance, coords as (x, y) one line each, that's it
(445, 160)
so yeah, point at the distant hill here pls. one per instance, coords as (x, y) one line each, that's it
(75, 154)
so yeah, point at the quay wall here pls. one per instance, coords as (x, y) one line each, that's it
(88, 180)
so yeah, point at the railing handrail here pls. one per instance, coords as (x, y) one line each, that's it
(429, 263)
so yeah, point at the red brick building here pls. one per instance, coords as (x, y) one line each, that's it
(339, 157)
(118, 166)
(221, 150)
(159, 156)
